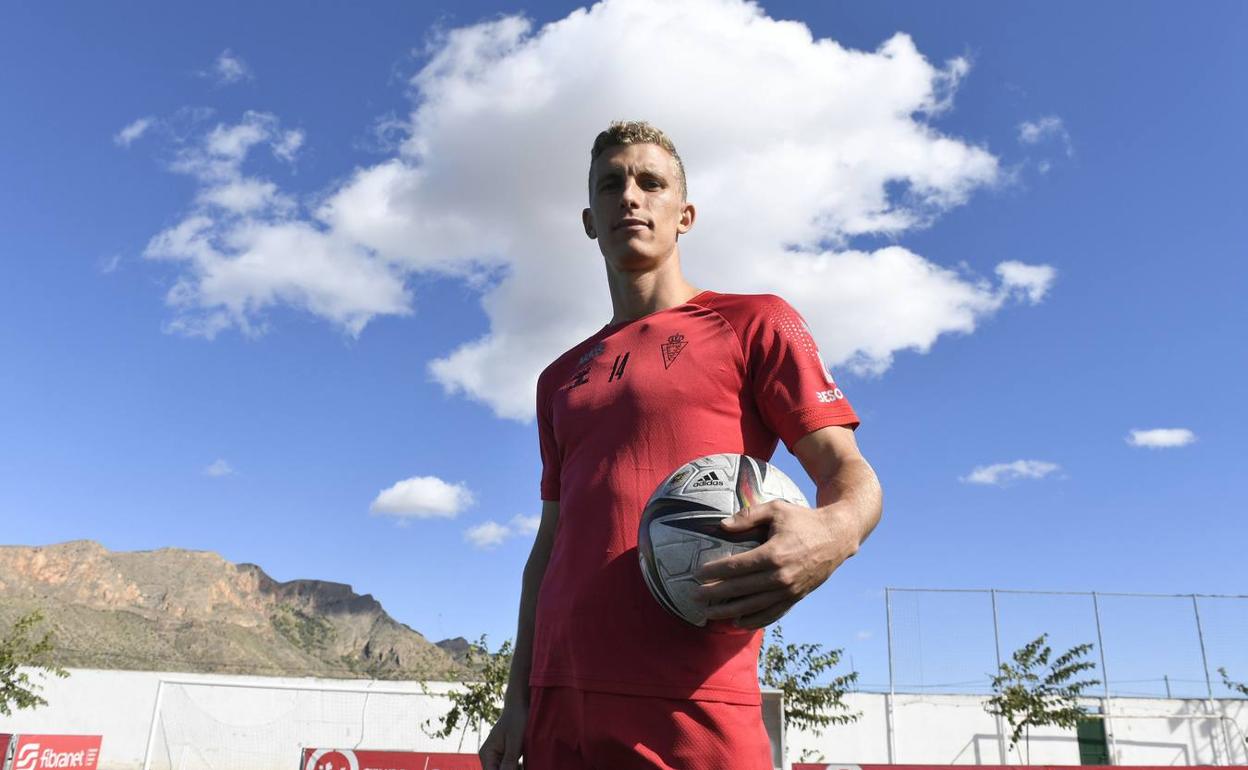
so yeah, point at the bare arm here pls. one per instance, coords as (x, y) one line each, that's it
(503, 747)
(846, 485)
(806, 545)
(534, 571)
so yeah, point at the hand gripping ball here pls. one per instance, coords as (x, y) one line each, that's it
(680, 526)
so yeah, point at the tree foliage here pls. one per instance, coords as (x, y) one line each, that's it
(478, 702)
(795, 670)
(18, 649)
(1031, 691)
(1232, 685)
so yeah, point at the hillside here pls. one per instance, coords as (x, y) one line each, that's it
(179, 610)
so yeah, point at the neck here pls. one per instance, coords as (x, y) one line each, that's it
(634, 295)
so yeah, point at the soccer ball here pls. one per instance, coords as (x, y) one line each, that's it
(680, 526)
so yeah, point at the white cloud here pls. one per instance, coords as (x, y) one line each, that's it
(230, 68)
(385, 136)
(219, 468)
(491, 534)
(242, 248)
(1161, 438)
(289, 144)
(219, 155)
(794, 146)
(488, 535)
(422, 497)
(1005, 472)
(1049, 127)
(241, 196)
(863, 635)
(1032, 281)
(261, 264)
(525, 525)
(110, 264)
(131, 133)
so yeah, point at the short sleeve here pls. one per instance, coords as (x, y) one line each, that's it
(794, 391)
(549, 447)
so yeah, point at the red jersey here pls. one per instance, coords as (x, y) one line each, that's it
(616, 414)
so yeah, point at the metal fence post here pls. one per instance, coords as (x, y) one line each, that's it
(1100, 643)
(996, 638)
(892, 688)
(1204, 659)
(151, 730)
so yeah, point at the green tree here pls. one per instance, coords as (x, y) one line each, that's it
(1031, 691)
(796, 670)
(479, 702)
(19, 650)
(1232, 685)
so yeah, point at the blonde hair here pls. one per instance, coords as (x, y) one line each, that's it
(624, 132)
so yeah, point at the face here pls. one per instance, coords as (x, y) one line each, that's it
(636, 208)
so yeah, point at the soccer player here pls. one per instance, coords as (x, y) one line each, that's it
(603, 677)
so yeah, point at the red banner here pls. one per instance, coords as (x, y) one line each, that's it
(346, 759)
(54, 752)
(4, 748)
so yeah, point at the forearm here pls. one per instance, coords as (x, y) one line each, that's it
(522, 658)
(851, 493)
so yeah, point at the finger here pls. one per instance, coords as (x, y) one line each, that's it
(750, 516)
(746, 606)
(515, 748)
(490, 757)
(765, 617)
(738, 587)
(491, 752)
(753, 560)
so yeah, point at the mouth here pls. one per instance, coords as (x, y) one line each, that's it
(631, 223)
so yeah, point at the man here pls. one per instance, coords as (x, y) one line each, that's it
(603, 677)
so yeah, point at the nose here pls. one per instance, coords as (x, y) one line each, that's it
(630, 196)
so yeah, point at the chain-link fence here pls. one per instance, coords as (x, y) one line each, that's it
(1144, 645)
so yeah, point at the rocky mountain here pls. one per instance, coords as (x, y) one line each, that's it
(472, 656)
(457, 647)
(179, 610)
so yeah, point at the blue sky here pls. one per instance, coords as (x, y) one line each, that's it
(261, 412)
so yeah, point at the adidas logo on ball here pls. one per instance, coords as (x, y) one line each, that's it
(680, 527)
(709, 480)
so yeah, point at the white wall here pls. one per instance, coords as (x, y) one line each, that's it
(266, 720)
(955, 729)
(214, 721)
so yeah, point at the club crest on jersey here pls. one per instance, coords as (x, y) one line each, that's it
(672, 348)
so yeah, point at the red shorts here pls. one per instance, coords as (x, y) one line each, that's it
(570, 729)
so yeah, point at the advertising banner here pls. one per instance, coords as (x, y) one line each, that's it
(53, 752)
(346, 759)
(4, 748)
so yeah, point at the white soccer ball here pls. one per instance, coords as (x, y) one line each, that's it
(680, 526)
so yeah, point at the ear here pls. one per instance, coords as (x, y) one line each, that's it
(587, 219)
(688, 213)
